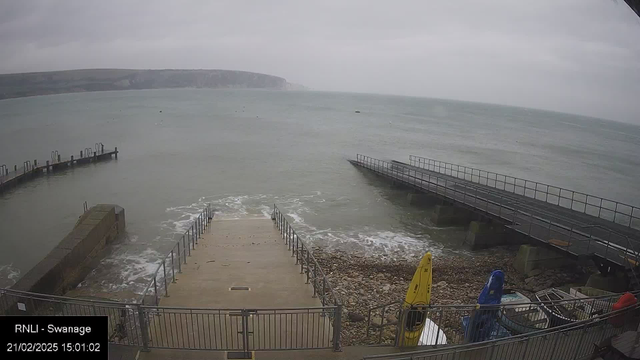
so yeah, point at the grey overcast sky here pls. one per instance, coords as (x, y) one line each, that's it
(577, 56)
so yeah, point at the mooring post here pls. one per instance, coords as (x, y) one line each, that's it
(116, 152)
(71, 160)
(35, 164)
(101, 148)
(80, 154)
(58, 157)
(48, 166)
(15, 168)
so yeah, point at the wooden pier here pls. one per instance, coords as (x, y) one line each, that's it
(31, 169)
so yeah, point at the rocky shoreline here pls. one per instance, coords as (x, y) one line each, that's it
(363, 282)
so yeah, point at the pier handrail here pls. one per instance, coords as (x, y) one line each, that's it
(575, 226)
(306, 260)
(473, 199)
(176, 257)
(309, 265)
(536, 190)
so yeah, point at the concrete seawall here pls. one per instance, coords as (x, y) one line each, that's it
(69, 262)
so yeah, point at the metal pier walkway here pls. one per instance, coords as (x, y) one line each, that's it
(575, 223)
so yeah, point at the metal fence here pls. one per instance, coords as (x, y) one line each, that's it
(124, 320)
(242, 330)
(571, 341)
(314, 275)
(304, 257)
(172, 262)
(576, 238)
(461, 324)
(611, 210)
(149, 327)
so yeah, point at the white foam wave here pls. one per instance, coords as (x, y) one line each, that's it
(368, 240)
(134, 270)
(296, 218)
(377, 243)
(8, 275)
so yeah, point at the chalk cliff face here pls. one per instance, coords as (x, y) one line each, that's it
(56, 82)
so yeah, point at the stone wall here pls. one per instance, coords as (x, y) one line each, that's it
(70, 261)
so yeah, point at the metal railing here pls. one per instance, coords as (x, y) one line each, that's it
(242, 330)
(124, 325)
(571, 341)
(309, 265)
(578, 238)
(172, 262)
(189, 328)
(614, 211)
(304, 257)
(461, 324)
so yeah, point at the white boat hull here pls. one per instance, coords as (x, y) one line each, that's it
(432, 333)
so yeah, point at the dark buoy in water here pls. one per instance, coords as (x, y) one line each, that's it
(160, 110)
(357, 111)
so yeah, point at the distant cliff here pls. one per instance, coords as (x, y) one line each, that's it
(56, 82)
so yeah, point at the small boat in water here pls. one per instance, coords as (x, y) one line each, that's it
(562, 308)
(520, 316)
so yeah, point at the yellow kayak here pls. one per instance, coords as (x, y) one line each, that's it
(417, 300)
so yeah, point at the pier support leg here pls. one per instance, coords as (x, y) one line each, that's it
(531, 257)
(483, 235)
(422, 199)
(398, 185)
(448, 215)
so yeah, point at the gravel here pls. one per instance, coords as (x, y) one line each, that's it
(363, 282)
